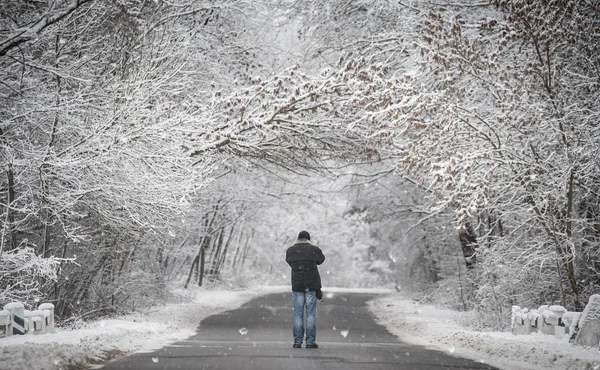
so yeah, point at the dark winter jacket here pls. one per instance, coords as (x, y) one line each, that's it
(303, 257)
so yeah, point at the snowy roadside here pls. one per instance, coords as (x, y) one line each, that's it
(440, 328)
(97, 341)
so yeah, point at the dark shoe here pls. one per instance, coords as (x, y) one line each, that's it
(312, 345)
(297, 345)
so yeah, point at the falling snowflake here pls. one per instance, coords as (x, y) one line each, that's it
(155, 359)
(243, 331)
(345, 333)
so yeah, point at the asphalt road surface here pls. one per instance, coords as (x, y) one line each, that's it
(258, 336)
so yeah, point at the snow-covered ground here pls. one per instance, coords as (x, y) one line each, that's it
(445, 330)
(96, 341)
(442, 329)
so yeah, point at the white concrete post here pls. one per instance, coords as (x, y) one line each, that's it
(17, 317)
(527, 328)
(38, 322)
(545, 321)
(28, 323)
(48, 309)
(571, 319)
(534, 321)
(520, 321)
(558, 311)
(6, 322)
(551, 318)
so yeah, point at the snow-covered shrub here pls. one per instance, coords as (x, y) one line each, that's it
(24, 274)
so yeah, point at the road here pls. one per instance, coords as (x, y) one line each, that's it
(258, 336)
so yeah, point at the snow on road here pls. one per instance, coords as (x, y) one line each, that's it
(447, 330)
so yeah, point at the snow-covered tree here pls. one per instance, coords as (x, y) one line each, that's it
(101, 99)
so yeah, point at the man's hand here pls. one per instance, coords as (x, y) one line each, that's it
(319, 294)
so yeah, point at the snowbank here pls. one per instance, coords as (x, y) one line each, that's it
(98, 341)
(441, 329)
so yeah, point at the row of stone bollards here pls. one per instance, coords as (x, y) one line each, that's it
(17, 320)
(583, 328)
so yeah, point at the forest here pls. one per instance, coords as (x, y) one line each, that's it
(445, 148)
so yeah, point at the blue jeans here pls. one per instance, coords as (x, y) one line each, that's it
(302, 300)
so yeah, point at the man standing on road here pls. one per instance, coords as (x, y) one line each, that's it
(303, 257)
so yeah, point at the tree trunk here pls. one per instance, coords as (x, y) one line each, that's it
(194, 264)
(160, 256)
(568, 256)
(59, 273)
(246, 249)
(206, 239)
(46, 214)
(202, 265)
(468, 243)
(203, 248)
(216, 256)
(238, 249)
(225, 249)
(9, 214)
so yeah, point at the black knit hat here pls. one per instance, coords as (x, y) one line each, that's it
(304, 235)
